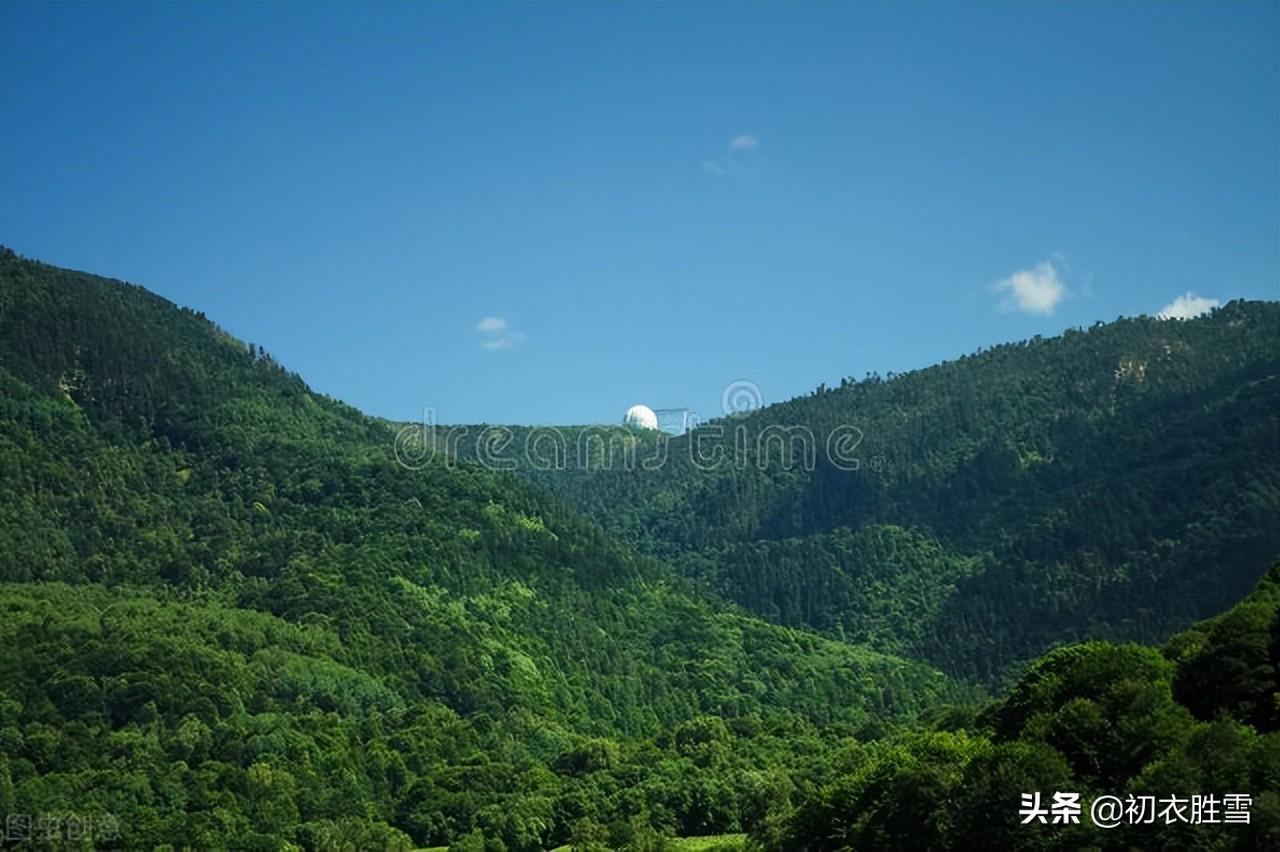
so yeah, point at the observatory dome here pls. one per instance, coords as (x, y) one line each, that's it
(640, 416)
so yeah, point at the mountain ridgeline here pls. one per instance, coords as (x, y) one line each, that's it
(235, 613)
(220, 583)
(1117, 482)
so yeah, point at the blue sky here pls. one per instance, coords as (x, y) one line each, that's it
(544, 213)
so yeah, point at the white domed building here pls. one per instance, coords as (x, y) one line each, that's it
(640, 417)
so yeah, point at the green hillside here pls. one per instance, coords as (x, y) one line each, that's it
(1203, 718)
(975, 513)
(229, 612)
(237, 614)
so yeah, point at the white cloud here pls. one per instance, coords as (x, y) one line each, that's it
(743, 143)
(497, 334)
(1032, 291)
(504, 341)
(1188, 305)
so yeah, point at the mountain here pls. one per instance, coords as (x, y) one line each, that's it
(230, 612)
(1115, 482)
(239, 614)
(1200, 719)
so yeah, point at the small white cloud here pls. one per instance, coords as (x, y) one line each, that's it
(1032, 291)
(497, 334)
(1187, 306)
(738, 146)
(505, 341)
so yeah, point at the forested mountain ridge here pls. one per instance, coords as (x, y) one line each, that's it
(1199, 719)
(229, 612)
(231, 617)
(984, 509)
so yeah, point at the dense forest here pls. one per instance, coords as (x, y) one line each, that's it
(1200, 717)
(975, 513)
(235, 616)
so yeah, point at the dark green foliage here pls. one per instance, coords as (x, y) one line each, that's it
(1107, 709)
(1028, 495)
(881, 585)
(1094, 719)
(1228, 664)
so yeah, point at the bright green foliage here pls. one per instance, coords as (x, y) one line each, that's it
(232, 619)
(228, 612)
